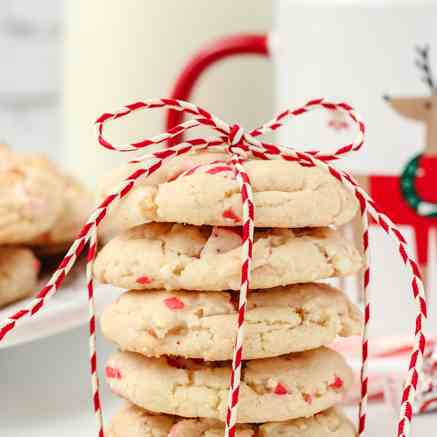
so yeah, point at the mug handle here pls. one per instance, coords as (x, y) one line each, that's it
(225, 47)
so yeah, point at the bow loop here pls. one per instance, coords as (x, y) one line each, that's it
(231, 138)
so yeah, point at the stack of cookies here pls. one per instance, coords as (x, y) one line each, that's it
(41, 211)
(178, 251)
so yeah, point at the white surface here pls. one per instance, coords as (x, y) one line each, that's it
(66, 310)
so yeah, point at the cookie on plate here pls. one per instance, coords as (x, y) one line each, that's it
(30, 197)
(272, 389)
(188, 190)
(19, 270)
(132, 421)
(77, 206)
(199, 324)
(205, 258)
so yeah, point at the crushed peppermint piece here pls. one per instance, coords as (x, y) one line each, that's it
(144, 280)
(230, 214)
(337, 384)
(307, 398)
(112, 372)
(221, 240)
(280, 390)
(174, 303)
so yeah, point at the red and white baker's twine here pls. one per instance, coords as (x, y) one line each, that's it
(240, 146)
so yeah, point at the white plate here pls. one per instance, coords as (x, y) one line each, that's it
(66, 310)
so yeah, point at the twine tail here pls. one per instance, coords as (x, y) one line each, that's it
(362, 413)
(247, 245)
(92, 331)
(417, 288)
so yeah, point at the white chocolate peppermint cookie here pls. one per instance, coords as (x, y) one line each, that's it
(188, 190)
(30, 197)
(19, 270)
(162, 255)
(272, 389)
(77, 206)
(203, 324)
(132, 421)
(328, 423)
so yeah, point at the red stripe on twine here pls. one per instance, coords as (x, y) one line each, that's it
(403, 253)
(91, 252)
(298, 111)
(60, 279)
(79, 248)
(362, 424)
(366, 277)
(85, 230)
(65, 261)
(37, 307)
(364, 387)
(45, 291)
(92, 325)
(135, 106)
(96, 401)
(5, 329)
(103, 118)
(142, 144)
(418, 324)
(19, 314)
(415, 287)
(282, 115)
(126, 189)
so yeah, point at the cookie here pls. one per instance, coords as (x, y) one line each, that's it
(272, 389)
(132, 421)
(192, 258)
(30, 197)
(19, 270)
(328, 423)
(188, 190)
(200, 324)
(77, 206)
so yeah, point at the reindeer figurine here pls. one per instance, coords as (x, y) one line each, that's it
(411, 198)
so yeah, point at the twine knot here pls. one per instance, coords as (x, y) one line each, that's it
(236, 141)
(236, 135)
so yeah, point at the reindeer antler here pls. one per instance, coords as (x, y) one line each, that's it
(424, 66)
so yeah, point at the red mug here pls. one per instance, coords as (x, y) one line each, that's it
(239, 44)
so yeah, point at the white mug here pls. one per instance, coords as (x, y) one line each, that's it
(358, 52)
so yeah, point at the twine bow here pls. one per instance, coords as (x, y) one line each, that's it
(239, 146)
